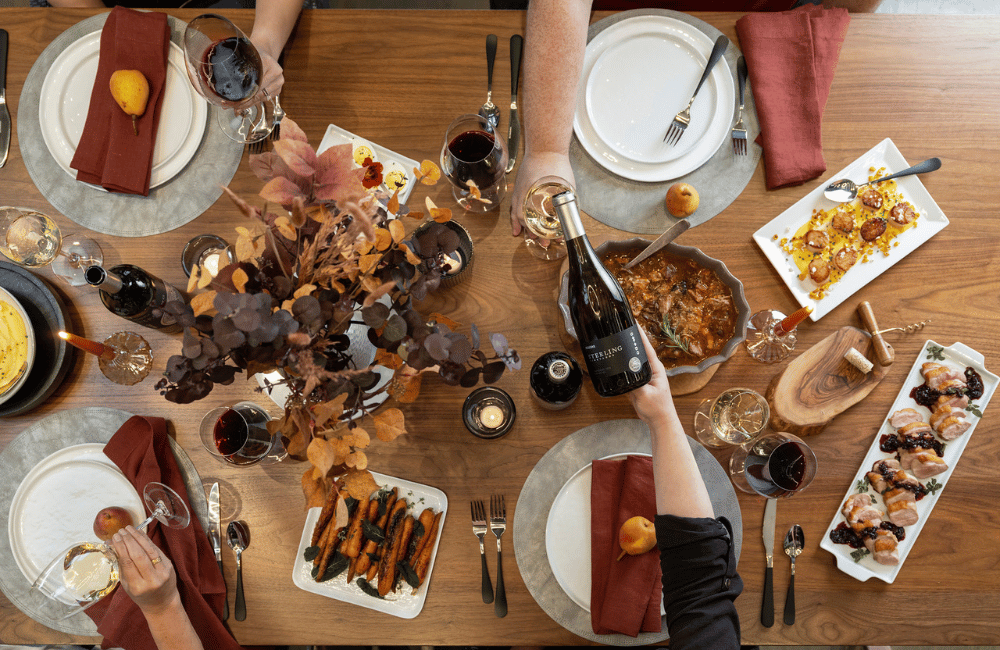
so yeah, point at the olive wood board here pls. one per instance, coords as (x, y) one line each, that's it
(821, 384)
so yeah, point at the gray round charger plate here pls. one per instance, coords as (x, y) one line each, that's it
(53, 356)
(639, 207)
(551, 472)
(45, 437)
(171, 205)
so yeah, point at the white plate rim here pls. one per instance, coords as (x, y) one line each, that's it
(705, 149)
(932, 221)
(957, 353)
(62, 147)
(10, 299)
(407, 605)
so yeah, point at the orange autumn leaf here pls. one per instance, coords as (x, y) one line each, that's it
(359, 483)
(203, 303)
(388, 359)
(314, 490)
(417, 216)
(340, 514)
(367, 262)
(393, 206)
(444, 320)
(383, 239)
(389, 424)
(359, 438)
(406, 388)
(323, 413)
(357, 460)
(322, 454)
(240, 279)
(397, 230)
(429, 173)
(440, 215)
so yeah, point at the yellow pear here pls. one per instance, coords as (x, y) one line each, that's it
(131, 90)
(637, 536)
(682, 200)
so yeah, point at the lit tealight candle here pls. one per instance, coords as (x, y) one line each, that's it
(491, 416)
(453, 263)
(488, 412)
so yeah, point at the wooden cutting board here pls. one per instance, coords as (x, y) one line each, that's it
(820, 384)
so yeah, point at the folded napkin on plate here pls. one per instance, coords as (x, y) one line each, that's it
(141, 450)
(110, 154)
(791, 57)
(624, 596)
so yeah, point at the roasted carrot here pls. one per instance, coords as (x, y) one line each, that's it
(364, 559)
(325, 514)
(422, 562)
(426, 520)
(354, 533)
(387, 564)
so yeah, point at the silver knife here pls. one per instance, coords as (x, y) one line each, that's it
(215, 536)
(4, 113)
(671, 234)
(514, 130)
(767, 608)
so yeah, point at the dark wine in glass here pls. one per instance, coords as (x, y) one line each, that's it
(233, 68)
(774, 465)
(237, 435)
(474, 152)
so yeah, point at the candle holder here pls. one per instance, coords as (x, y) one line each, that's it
(488, 412)
(125, 357)
(465, 255)
(210, 252)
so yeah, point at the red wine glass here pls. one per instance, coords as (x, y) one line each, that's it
(238, 435)
(474, 158)
(774, 465)
(225, 68)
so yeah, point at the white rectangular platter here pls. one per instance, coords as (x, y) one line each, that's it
(404, 604)
(958, 356)
(335, 135)
(931, 221)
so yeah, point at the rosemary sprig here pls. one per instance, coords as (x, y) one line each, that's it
(672, 335)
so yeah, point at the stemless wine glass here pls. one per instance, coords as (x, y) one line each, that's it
(541, 219)
(239, 435)
(32, 239)
(86, 572)
(736, 416)
(774, 465)
(225, 68)
(474, 158)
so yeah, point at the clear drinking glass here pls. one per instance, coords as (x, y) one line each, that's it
(474, 159)
(736, 416)
(239, 435)
(774, 465)
(32, 239)
(541, 219)
(225, 68)
(771, 335)
(86, 572)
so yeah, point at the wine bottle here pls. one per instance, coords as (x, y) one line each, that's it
(612, 346)
(555, 380)
(130, 292)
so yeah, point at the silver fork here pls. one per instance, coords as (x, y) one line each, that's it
(479, 529)
(682, 119)
(739, 130)
(498, 524)
(279, 114)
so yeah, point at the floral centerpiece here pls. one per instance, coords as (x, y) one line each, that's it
(334, 256)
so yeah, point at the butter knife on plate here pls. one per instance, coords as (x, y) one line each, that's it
(767, 608)
(514, 130)
(215, 536)
(4, 113)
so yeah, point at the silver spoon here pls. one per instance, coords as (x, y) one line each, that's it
(489, 110)
(845, 189)
(794, 541)
(238, 536)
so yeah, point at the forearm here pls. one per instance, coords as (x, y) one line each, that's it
(171, 628)
(680, 489)
(555, 40)
(273, 23)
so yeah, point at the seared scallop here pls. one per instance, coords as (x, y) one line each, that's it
(871, 198)
(872, 229)
(819, 270)
(902, 213)
(845, 258)
(816, 240)
(843, 222)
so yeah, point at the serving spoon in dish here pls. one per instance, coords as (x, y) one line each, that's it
(846, 190)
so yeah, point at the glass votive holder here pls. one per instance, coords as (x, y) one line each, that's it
(488, 412)
(460, 262)
(210, 252)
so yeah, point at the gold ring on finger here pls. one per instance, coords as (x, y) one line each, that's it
(157, 560)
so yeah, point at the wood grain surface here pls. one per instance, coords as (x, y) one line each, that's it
(398, 78)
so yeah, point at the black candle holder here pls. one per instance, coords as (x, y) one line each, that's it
(200, 248)
(488, 412)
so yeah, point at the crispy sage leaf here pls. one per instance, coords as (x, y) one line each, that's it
(372, 531)
(336, 566)
(408, 574)
(311, 553)
(368, 589)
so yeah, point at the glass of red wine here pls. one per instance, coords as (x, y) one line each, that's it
(774, 465)
(225, 68)
(238, 435)
(474, 158)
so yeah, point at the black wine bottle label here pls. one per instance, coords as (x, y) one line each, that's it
(612, 355)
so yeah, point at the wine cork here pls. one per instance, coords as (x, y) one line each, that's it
(858, 360)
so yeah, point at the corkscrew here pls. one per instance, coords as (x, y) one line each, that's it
(884, 351)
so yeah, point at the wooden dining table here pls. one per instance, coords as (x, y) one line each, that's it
(398, 78)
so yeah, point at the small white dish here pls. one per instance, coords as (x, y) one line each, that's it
(335, 135)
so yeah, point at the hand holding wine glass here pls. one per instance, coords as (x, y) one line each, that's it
(146, 574)
(533, 167)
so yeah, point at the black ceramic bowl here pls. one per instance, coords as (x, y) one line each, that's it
(635, 246)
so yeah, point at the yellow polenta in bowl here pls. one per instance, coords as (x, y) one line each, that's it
(17, 345)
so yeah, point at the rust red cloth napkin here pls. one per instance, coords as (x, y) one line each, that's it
(141, 450)
(791, 57)
(110, 154)
(624, 595)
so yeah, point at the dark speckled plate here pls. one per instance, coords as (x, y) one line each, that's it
(53, 357)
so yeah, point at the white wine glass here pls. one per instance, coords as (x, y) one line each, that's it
(541, 219)
(735, 417)
(225, 68)
(87, 571)
(32, 239)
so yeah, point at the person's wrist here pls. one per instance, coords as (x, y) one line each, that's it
(168, 608)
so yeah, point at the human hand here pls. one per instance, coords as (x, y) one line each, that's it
(533, 167)
(271, 81)
(147, 575)
(652, 401)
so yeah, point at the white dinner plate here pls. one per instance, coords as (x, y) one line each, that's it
(929, 223)
(863, 566)
(56, 503)
(404, 603)
(637, 75)
(567, 535)
(65, 101)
